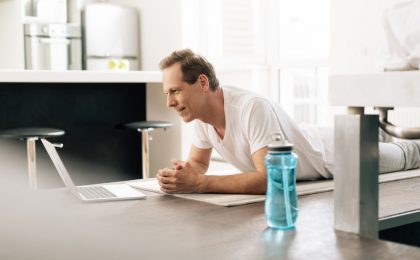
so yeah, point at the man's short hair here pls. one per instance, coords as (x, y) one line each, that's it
(192, 66)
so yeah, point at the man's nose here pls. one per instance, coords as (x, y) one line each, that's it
(170, 102)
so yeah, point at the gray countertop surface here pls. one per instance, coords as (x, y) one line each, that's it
(53, 224)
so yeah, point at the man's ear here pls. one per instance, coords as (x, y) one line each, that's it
(204, 82)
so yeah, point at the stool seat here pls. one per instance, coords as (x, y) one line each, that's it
(30, 135)
(145, 125)
(30, 132)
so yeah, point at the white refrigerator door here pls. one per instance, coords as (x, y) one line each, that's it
(111, 30)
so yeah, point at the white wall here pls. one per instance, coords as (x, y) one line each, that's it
(357, 35)
(11, 39)
(357, 39)
(165, 144)
(354, 32)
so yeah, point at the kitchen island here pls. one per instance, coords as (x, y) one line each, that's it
(87, 105)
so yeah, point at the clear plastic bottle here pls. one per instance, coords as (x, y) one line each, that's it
(281, 202)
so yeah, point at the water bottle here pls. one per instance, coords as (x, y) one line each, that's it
(281, 207)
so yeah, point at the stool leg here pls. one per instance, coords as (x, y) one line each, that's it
(145, 152)
(31, 151)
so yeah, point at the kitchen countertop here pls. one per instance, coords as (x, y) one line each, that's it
(81, 76)
(51, 224)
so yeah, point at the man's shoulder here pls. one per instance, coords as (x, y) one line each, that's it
(243, 97)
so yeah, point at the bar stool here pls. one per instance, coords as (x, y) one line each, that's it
(31, 134)
(145, 127)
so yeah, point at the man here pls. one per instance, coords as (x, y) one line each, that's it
(239, 124)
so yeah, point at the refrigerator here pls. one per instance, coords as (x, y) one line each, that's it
(111, 37)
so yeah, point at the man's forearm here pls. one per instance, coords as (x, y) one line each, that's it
(243, 183)
(199, 167)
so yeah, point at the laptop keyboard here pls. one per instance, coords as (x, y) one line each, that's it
(95, 192)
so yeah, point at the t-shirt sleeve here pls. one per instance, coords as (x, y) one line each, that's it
(259, 123)
(200, 137)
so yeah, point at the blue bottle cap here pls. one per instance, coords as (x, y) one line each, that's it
(279, 144)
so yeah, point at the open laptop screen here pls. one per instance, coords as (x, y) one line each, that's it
(52, 152)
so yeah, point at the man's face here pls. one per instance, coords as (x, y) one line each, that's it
(187, 99)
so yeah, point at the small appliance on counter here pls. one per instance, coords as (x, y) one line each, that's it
(111, 37)
(53, 47)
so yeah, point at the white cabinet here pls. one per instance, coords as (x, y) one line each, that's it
(11, 31)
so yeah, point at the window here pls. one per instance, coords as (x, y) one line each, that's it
(277, 48)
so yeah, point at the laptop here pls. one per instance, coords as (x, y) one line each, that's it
(91, 193)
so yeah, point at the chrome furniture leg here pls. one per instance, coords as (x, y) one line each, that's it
(145, 127)
(356, 173)
(31, 153)
(145, 152)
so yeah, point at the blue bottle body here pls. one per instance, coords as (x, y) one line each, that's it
(281, 202)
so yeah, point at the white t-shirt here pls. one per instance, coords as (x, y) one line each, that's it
(250, 121)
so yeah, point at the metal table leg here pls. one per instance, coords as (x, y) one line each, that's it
(356, 173)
